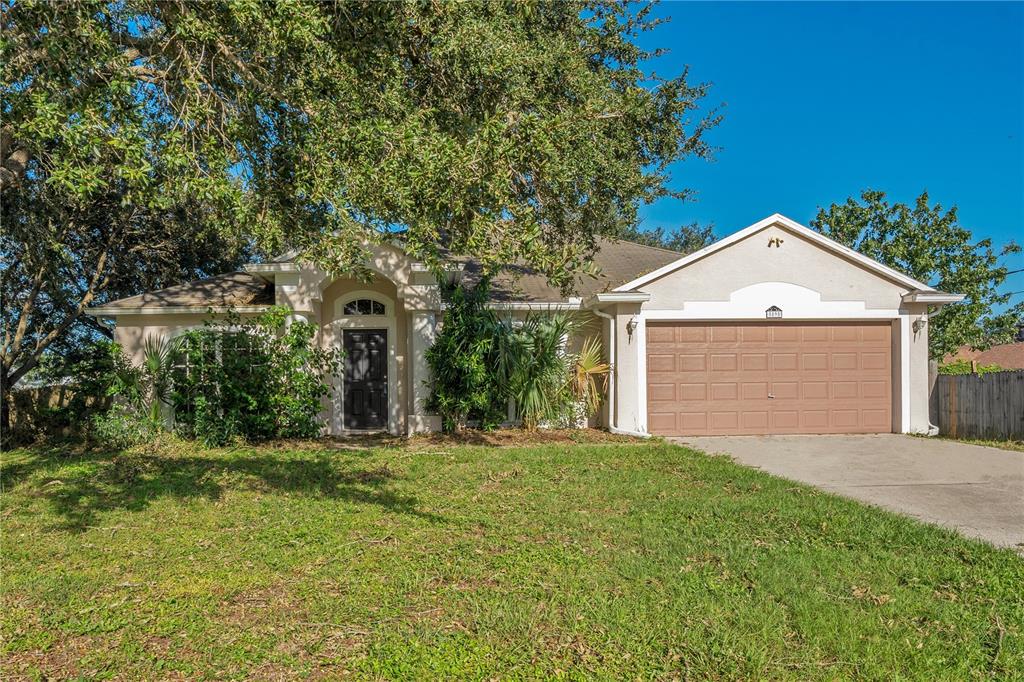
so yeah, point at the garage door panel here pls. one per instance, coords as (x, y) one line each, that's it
(814, 390)
(691, 334)
(844, 361)
(754, 390)
(785, 334)
(754, 362)
(817, 335)
(660, 393)
(844, 334)
(692, 363)
(876, 390)
(758, 335)
(724, 335)
(784, 361)
(717, 378)
(724, 362)
(875, 360)
(814, 419)
(663, 422)
(725, 391)
(815, 362)
(876, 419)
(657, 335)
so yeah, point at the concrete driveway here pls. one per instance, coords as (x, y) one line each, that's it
(976, 490)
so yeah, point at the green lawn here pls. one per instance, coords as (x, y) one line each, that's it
(609, 560)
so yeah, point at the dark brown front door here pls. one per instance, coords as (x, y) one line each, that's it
(366, 379)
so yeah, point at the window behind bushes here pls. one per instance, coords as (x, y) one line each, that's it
(256, 379)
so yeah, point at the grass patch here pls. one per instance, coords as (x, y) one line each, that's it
(1009, 444)
(436, 559)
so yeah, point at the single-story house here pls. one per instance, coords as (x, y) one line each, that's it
(773, 329)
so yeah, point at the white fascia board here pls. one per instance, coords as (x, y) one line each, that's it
(174, 310)
(932, 296)
(256, 268)
(793, 226)
(616, 296)
(571, 304)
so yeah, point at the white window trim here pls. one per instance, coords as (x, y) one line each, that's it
(342, 301)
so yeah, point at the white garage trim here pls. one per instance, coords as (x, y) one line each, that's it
(904, 422)
(900, 424)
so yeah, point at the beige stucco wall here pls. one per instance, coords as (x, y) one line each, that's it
(751, 261)
(131, 331)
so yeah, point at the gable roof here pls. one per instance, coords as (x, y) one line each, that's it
(798, 229)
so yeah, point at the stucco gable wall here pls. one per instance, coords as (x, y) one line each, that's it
(751, 261)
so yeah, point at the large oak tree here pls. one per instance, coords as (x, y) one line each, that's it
(510, 131)
(928, 243)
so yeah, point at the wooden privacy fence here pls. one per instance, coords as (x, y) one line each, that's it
(981, 405)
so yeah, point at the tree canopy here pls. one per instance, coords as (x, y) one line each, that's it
(929, 244)
(508, 131)
(684, 239)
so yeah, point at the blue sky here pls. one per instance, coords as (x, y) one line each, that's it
(825, 99)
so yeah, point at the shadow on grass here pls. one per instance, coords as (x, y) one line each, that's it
(87, 483)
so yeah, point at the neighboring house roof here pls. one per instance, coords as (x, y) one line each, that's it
(231, 289)
(1006, 355)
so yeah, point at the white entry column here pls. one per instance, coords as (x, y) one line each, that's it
(423, 332)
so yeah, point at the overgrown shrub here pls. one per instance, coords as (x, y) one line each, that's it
(481, 362)
(464, 386)
(256, 378)
(123, 426)
(966, 367)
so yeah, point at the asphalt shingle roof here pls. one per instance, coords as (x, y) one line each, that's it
(617, 261)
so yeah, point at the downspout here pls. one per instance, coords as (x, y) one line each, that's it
(933, 430)
(611, 364)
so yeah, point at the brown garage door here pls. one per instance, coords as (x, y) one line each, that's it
(754, 378)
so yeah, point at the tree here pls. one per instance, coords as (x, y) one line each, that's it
(931, 245)
(61, 256)
(512, 132)
(684, 239)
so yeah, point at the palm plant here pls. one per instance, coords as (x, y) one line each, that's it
(158, 357)
(531, 365)
(589, 376)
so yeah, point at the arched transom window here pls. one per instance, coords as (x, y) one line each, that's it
(364, 306)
